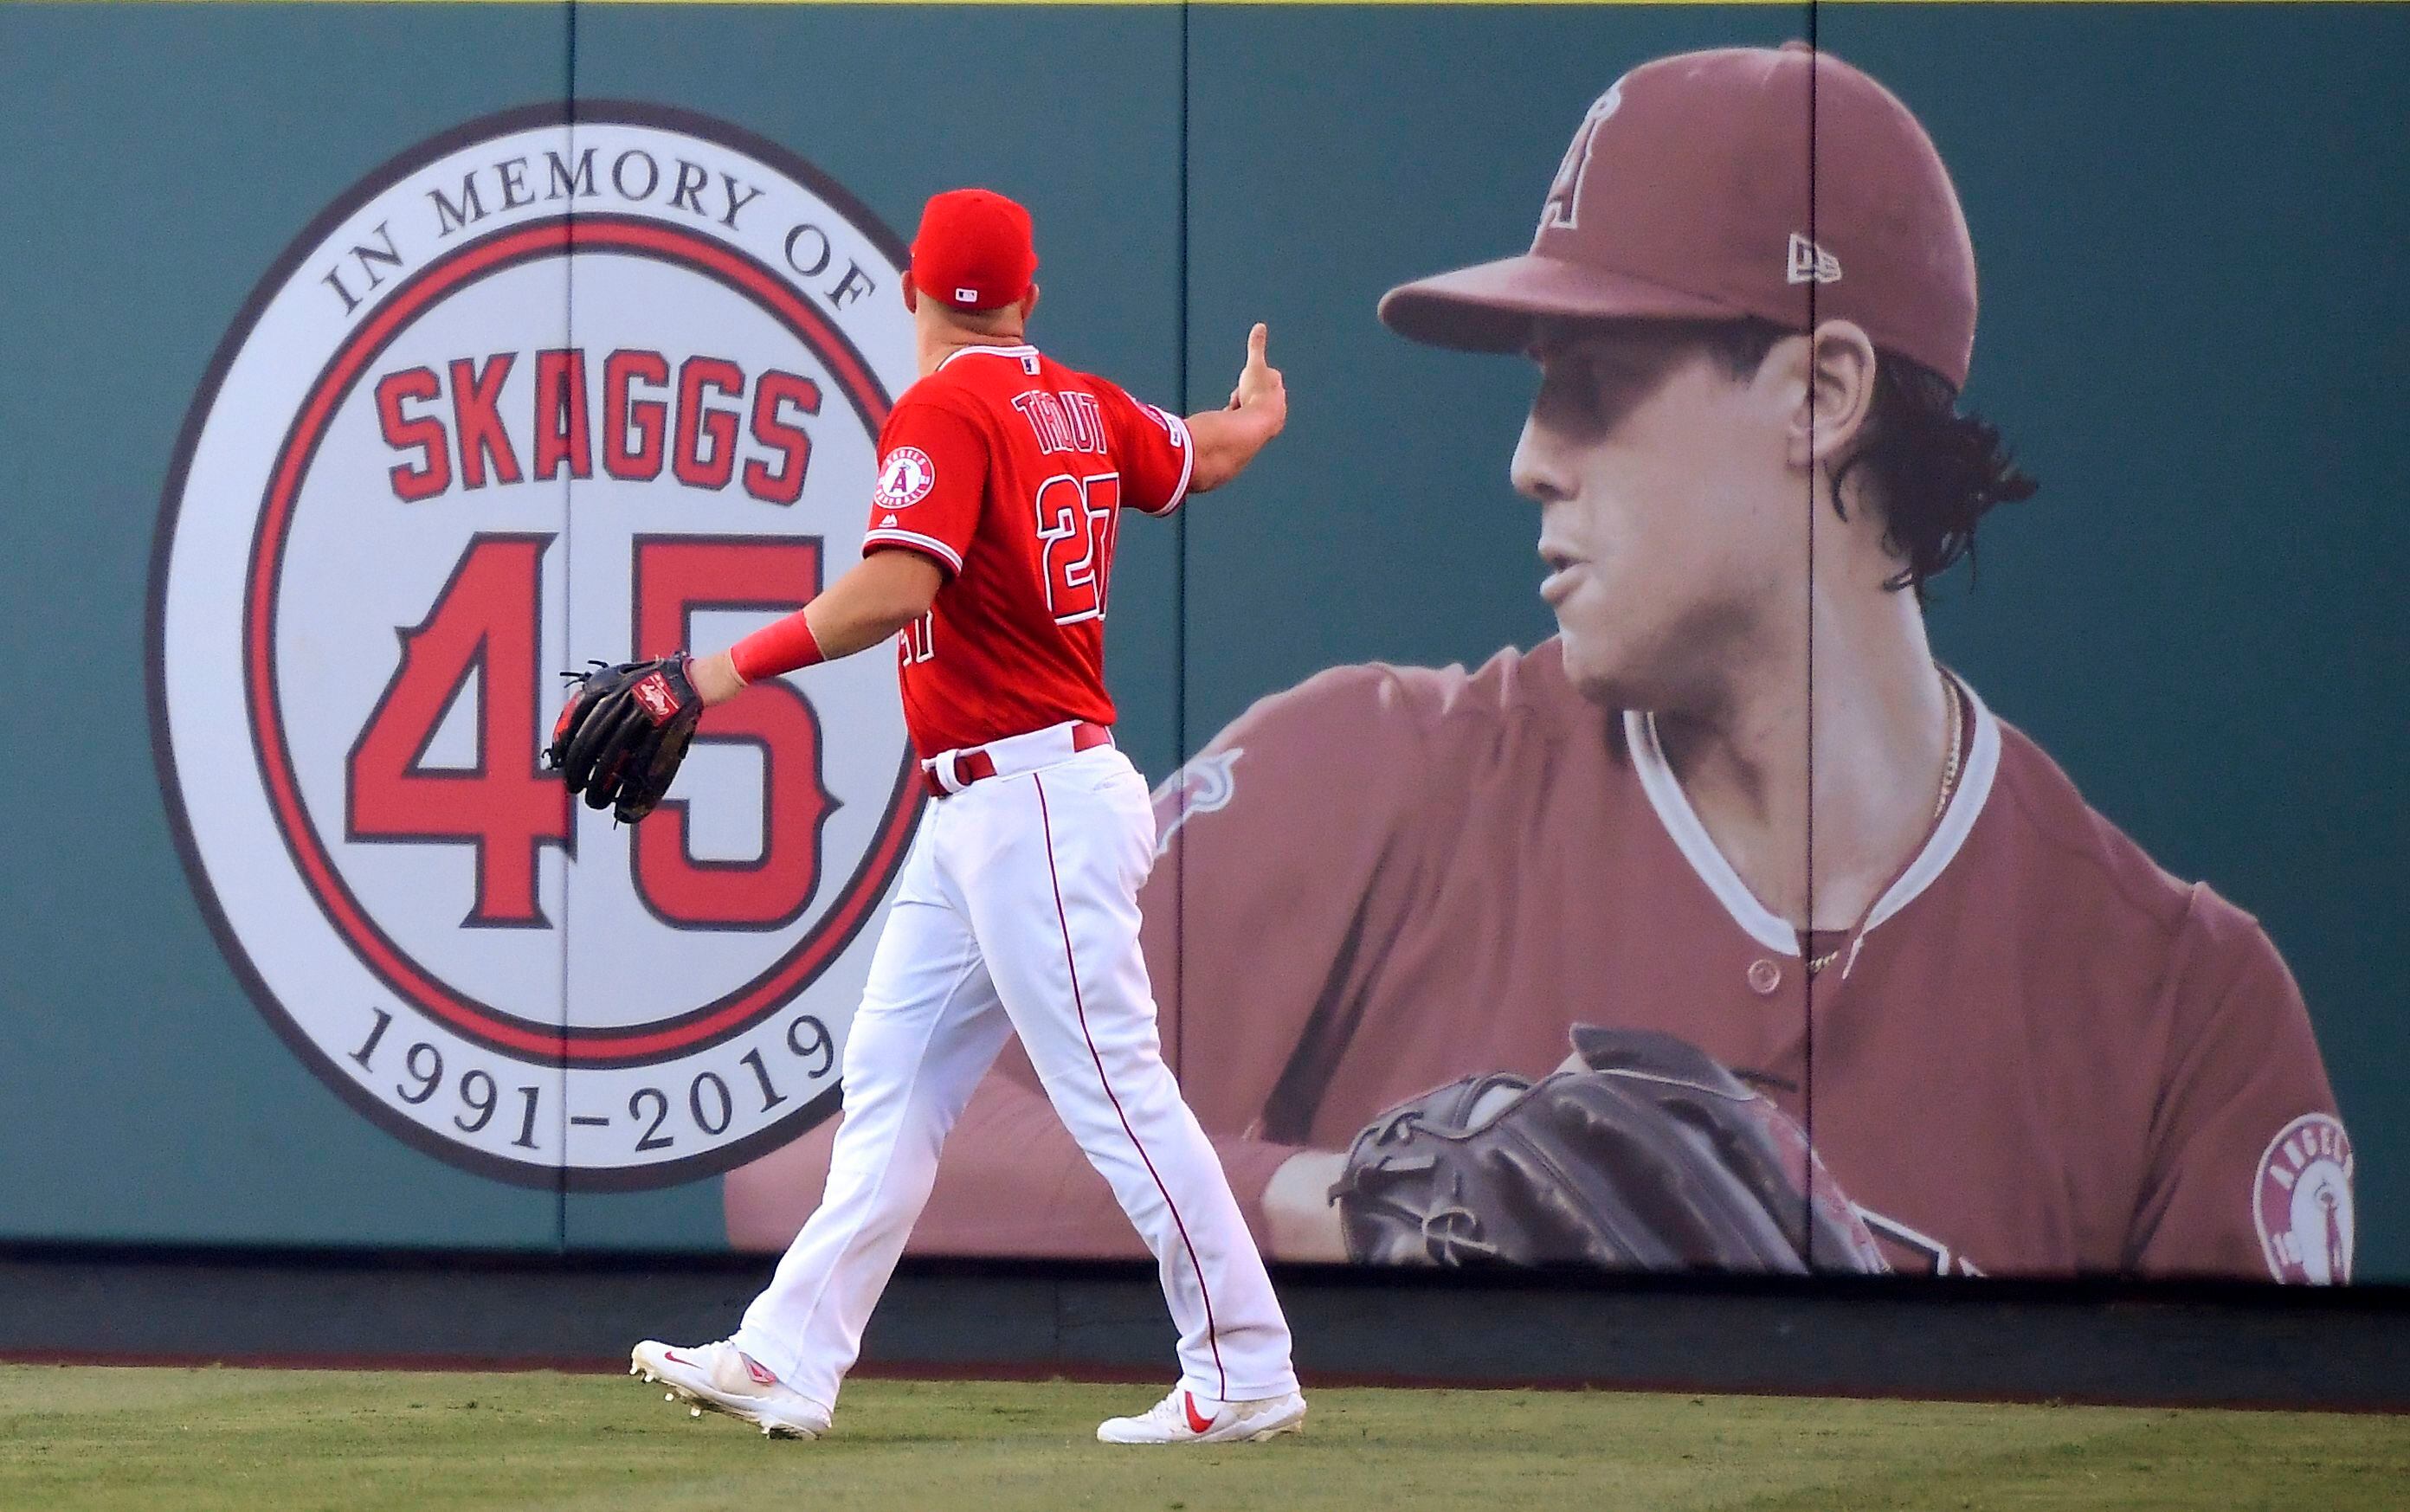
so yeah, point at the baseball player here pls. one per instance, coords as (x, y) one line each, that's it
(2019, 1045)
(988, 560)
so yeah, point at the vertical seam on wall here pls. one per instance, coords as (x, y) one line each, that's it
(568, 546)
(1180, 583)
(1806, 943)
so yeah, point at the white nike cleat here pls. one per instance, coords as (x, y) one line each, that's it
(724, 1379)
(1185, 1418)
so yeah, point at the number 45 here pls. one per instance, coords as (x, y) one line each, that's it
(482, 632)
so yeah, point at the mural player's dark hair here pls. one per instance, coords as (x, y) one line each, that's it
(1936, 468)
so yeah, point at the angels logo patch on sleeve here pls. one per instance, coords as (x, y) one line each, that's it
(905, 478)
(2302, 1200)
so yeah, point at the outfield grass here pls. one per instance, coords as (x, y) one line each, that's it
(218, 1438)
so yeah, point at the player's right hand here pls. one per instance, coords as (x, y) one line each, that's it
(1260, 390)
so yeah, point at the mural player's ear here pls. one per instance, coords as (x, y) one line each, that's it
(1835, 374)
(911, 296)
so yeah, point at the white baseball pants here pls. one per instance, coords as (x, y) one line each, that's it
(1017, 910)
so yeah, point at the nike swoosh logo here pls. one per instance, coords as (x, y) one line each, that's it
(672, 1356)
(1196, 1423)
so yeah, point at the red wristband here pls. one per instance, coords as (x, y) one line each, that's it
(776, 649)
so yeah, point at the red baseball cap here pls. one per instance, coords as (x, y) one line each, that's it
(1685, 196)
(974, 250)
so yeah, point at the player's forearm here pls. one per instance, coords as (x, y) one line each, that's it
(887, 591)
(1226, 442)
(869, 604)
(1301, 1220)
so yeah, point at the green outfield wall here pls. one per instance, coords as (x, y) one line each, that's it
(273, 839)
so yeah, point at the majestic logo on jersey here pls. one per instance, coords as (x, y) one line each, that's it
(905, 479)
(540, 390)
(2301, 1201)
(1562, 209)
(1204, 786)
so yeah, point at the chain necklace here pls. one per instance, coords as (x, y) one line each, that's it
(1957, 732)
(1949, 784)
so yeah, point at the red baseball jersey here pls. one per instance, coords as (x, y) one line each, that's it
(1009, 471)
(2048, 1056)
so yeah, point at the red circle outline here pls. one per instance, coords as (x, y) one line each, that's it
(559, 235)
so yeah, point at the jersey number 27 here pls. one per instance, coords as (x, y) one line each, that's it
(1075, 535)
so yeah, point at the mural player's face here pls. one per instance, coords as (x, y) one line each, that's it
(1670, 522)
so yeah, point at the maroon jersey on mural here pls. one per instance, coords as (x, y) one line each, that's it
(2042, 1054)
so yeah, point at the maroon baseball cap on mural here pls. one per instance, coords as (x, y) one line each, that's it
(1686, 194)
(974, 250)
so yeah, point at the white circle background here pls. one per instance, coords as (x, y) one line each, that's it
(361, 564)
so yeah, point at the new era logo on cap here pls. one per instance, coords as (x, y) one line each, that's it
(1810, 263)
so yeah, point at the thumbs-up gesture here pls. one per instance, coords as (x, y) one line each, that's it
(1260, 393)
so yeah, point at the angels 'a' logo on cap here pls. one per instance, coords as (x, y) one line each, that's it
(1564, 208)
(905, 478)
(2301, 1201)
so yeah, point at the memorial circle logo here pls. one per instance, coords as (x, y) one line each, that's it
(547, 389)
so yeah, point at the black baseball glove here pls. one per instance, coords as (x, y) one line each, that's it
(624, 731)
(1648, 1155)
